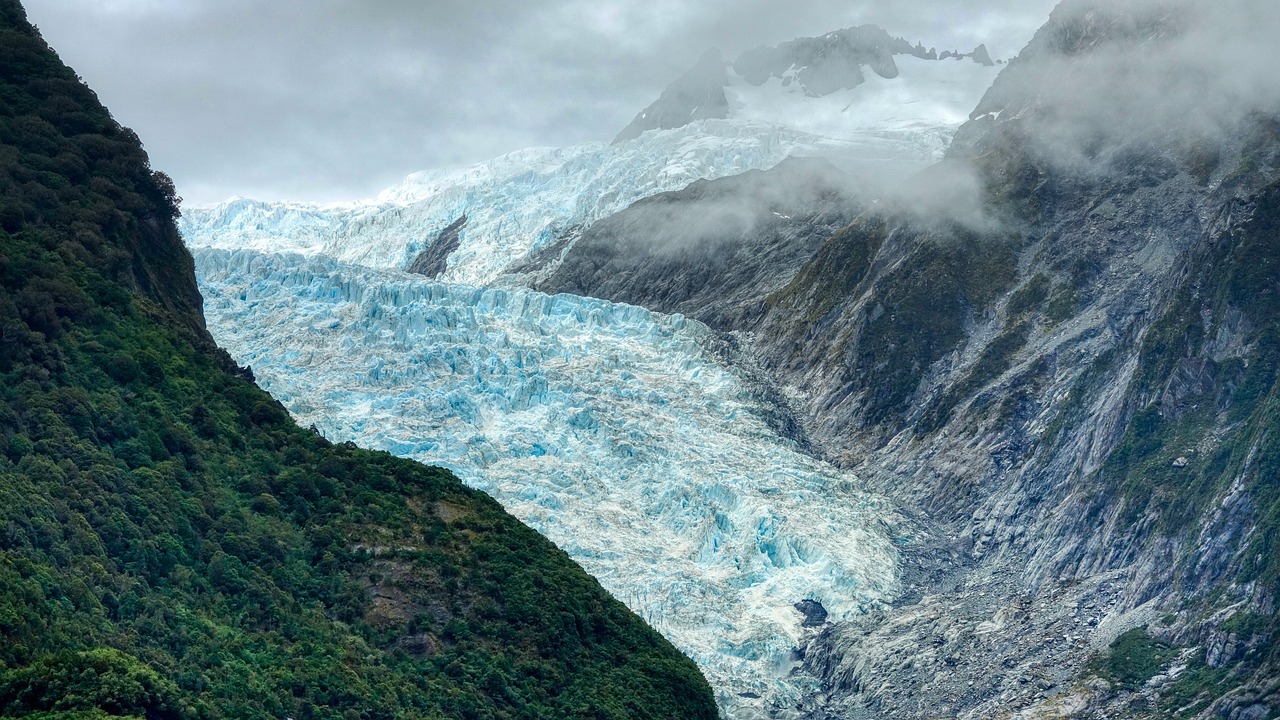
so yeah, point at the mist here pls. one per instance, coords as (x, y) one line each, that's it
(1102, 76)
(1104, 84)
(710, 214)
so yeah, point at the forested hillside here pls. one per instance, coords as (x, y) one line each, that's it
(172, 545)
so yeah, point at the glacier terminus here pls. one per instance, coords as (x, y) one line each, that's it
(636, 441)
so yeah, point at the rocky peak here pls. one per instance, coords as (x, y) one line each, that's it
(819, 65)
(981, 56)
(827, 63)
(696, 95)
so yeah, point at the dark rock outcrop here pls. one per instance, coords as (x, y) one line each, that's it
(696, 95)
(712, 251)
(815, 615)
(830, 62)
(981, 56)
(433, 261)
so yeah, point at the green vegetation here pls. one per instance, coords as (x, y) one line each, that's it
(1030, 296)
(1194, 689)
(172, 545)
(839, 267)
(1062, 305)
(1185, 395)
(925, 303)
(996, 358)
(1133, 658)
(1203, 425)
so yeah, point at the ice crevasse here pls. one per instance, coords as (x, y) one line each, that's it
(526, 200)
(610, 429)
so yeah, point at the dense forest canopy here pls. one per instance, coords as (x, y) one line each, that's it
(172, 545)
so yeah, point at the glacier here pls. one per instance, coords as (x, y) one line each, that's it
(623, 435)
(612, 430)
(518, 203)
(523, 201)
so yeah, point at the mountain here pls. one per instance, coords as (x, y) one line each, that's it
(1042, 372)
(1056, 350)
(599, 398)
(173, 545)
(768, 81)
(714, 250)
(520, 204)
(696, 95)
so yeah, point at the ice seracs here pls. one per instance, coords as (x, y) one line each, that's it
(515, 204)
(610, 429)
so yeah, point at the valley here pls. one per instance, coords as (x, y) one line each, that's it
(880, 382)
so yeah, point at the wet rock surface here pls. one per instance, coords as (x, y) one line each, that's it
(433, 261)
(1048, 380)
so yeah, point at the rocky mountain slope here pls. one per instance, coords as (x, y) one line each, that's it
(173, 545)
(1056, 350)
(713, 251)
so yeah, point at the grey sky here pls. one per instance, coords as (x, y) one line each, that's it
(337, 99)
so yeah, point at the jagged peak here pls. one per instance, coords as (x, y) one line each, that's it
(819, 66)
(696, 95)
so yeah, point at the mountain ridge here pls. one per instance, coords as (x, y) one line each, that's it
(173, 546)
(819, 66)
(1045, 349)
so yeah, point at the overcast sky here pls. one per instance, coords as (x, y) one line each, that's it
(337, 99)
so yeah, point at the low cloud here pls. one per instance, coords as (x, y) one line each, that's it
(1111, 86)
(337, 99)
(1158, 72)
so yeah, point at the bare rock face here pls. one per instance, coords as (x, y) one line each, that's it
(1054, 383)
(696, 95)
(830, 62)
(981, 56)
(1058, 349)
(433, 261)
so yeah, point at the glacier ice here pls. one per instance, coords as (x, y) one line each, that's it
(610, 429)
(525, 200)
(514, 204)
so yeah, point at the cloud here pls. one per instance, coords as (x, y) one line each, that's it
(1158, 73)
(336, 99)
(1117, 91)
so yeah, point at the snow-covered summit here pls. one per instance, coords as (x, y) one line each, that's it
(515, 204)
(791, 75)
